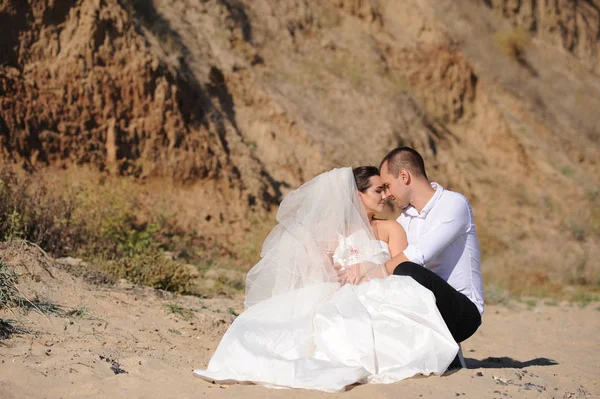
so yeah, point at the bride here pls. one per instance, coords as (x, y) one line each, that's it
(301, 328)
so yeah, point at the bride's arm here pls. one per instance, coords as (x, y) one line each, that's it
(397, 240)
(390, 232)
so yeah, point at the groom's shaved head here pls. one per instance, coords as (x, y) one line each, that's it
(404, 158)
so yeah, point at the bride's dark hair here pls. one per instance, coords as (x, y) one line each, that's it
(362, 174)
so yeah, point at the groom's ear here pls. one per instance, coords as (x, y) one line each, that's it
(404, 176)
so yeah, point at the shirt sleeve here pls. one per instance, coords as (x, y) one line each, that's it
(451, 223)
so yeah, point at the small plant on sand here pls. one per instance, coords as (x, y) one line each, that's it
(567, 171)
(513, 43)
(10, 298)
(224, 281)
(10, 327)
(45, 307)
(79, 312)
(495, 295)
(9, 294)
(178, 310)
(150, 269)
(583, 297)
(531, 303)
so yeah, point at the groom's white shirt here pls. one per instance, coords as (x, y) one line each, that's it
(442, 238)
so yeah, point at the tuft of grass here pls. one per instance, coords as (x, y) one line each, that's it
(495, 295)
(79, 312)
(531, 303)
(584, 298)
(577, 275)
(9, 328)
(45, 307)
(345, 66)
(178, 310)
(9, 294)
(223, 281)
(174, 331)
(578, 232)
(513, 43)
(150, 269)
(566, 171)
(11, 298)
(399, 82)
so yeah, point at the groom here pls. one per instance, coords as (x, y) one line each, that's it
(443, 251)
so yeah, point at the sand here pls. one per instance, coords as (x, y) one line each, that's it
(126, 341)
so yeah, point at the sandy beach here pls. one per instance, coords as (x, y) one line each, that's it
(129, 341)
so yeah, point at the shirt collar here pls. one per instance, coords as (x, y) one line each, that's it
(411, 211)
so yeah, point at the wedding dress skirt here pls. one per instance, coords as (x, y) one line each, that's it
(325, 337)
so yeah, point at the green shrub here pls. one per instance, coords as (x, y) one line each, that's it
(97, 219)
(152, 270)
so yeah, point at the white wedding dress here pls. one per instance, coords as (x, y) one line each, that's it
(326, 337)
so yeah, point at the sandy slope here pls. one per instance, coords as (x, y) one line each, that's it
(157, 339)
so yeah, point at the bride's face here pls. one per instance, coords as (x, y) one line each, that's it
(374, 197)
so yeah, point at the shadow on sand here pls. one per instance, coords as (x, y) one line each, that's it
(507, 362)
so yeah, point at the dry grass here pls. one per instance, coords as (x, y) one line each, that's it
(538, 275)
(247, 252)
(185, 314)
(31, 210)
(97, 218)
(150, 269)
(118, 228)
(513, 43)
(26, 262)
(9, 327)
(10, 296)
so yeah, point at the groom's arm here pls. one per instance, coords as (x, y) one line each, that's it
(391, 264)
(456, 220)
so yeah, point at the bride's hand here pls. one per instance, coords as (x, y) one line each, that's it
(359, 272)
(349, 275)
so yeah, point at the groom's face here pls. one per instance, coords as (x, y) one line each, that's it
(395, 187)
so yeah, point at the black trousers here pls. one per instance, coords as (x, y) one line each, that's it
(459, 313)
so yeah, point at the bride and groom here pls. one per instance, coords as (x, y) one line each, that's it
(341, 297)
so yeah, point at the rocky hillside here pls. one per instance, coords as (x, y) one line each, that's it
(239, 101)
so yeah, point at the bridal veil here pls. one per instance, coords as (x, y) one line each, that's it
(311, 221)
